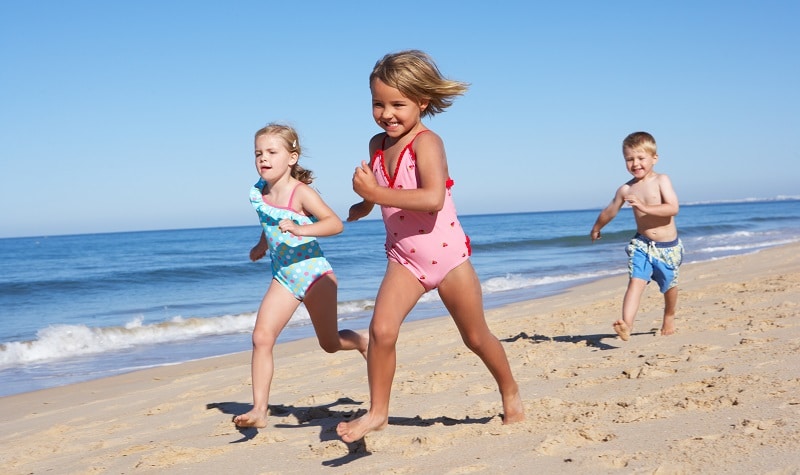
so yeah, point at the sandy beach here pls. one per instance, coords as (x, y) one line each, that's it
(720, 396)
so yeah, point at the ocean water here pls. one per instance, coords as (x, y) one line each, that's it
(79, 307)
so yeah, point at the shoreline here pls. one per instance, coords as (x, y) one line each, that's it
(423, 311)
(719, 395)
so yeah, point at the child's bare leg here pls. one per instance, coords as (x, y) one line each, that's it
(670, 304)
(630, 305)
(461, 293)
(397, 295)
(321, 303)
(276, 309)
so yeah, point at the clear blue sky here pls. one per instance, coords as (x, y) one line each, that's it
(139, 115)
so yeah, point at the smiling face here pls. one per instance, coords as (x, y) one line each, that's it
(273, 159)
(639, 161)
(393, 112)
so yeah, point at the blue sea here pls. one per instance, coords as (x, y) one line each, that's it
(80, 307)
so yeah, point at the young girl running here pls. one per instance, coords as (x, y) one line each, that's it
(292, 215)
(425, 244)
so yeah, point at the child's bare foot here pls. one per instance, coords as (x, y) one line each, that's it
(358, 428)
(622, 329)
(668, 327)
(251, 419)
(513, 411)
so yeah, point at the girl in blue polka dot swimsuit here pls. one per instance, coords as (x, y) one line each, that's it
(293, 215)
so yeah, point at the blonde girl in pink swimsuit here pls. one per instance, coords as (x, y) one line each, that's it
(425, 245)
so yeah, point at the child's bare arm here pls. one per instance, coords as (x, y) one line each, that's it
(431, 163)
(309, 201)
(260, 249)
(359, 210)
(609, 212)
(364, 207)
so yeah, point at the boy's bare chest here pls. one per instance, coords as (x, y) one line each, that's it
(648, 192)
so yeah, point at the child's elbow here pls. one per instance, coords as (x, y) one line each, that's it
(436, 206)
(435, 202)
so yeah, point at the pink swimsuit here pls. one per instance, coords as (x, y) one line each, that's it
(428, 244)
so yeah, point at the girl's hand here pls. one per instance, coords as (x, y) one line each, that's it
(364, 181)
(359, 210)
(289, 226)
(633, 201)
(258, 251)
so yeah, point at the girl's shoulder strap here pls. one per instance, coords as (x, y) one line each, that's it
(410, 146)
(291, 197)
(418, 134)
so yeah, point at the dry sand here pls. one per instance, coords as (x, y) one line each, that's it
(720, 396)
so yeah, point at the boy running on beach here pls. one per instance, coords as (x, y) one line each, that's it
(655, 252)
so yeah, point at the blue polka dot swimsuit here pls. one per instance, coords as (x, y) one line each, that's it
(297, 261)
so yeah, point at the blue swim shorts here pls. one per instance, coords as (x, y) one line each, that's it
(659, 261)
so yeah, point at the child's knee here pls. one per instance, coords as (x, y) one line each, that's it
(330, 346)
(477, 342)
(383, 335)
(263, 339)
(329, 343)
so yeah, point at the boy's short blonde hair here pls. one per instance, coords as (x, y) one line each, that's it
(641, 140)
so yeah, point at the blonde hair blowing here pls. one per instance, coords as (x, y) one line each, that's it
(416, 76)
(292, 143)
(641, 140)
